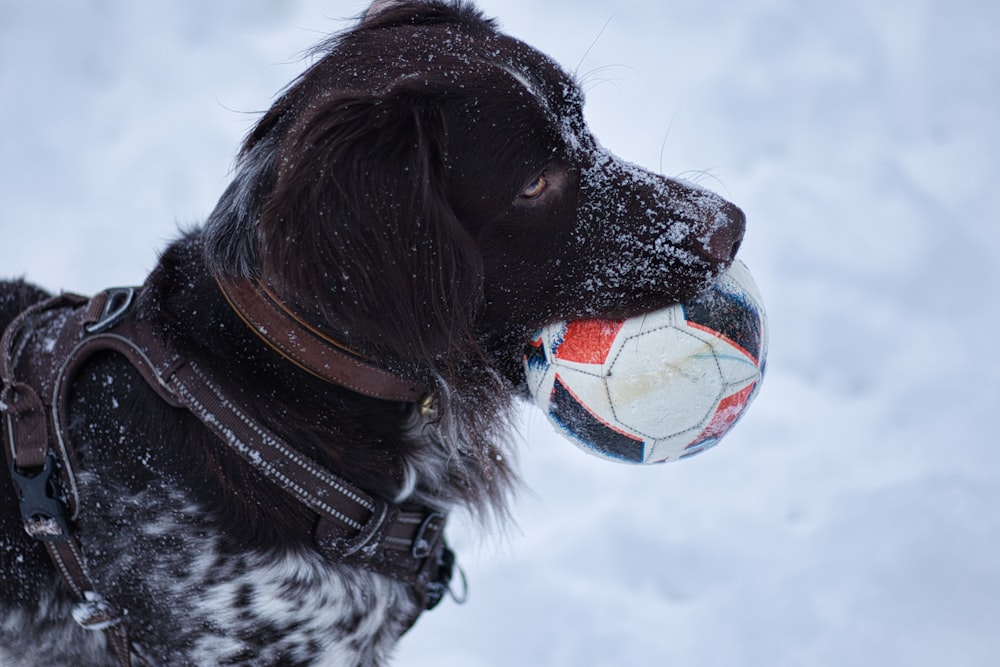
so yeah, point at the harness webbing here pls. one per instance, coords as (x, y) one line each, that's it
(40, 353)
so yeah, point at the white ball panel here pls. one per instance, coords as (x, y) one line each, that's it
(664, 381)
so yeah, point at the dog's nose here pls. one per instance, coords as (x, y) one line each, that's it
(724, 241)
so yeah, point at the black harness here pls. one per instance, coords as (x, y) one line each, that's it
(40, 354)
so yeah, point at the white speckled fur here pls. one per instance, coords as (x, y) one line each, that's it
(214, 609)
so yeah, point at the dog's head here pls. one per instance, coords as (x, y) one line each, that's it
(429, 193)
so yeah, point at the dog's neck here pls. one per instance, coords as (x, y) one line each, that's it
(458, 456)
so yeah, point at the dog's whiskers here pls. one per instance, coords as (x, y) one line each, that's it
(699, 176)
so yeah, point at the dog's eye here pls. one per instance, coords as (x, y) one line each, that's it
(535, 189)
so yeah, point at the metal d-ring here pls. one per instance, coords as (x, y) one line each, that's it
(117, 301)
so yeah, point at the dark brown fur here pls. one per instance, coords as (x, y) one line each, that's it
(384, 197)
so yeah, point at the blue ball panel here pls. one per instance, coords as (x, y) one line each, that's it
(594, 434)
(730, 314)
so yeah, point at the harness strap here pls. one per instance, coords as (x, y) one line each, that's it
(352, 526)
(37, 460)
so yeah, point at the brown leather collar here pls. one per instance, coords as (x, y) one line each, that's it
(310, 349)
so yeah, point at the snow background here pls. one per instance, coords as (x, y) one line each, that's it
(853, 517)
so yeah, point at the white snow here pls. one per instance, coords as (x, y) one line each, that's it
(853, 516)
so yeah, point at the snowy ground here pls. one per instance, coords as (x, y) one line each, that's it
(853, 517)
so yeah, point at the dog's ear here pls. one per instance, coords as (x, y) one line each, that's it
(358, 233)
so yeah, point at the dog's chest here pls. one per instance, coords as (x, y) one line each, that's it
(192, 600)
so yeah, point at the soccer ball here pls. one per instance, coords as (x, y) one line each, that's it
(656, 387)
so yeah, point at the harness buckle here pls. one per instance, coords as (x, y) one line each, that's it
(43, 514)
(437, 575)
(428, 535)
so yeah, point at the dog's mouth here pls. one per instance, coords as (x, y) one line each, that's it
(638, 242)
(645, 294)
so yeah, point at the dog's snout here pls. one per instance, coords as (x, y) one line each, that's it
(724, 240)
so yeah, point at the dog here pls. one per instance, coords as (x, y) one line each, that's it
(419, 201)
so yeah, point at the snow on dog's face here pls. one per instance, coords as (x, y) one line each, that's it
(429, 192)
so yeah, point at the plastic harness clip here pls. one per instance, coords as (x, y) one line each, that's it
(44, 515)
